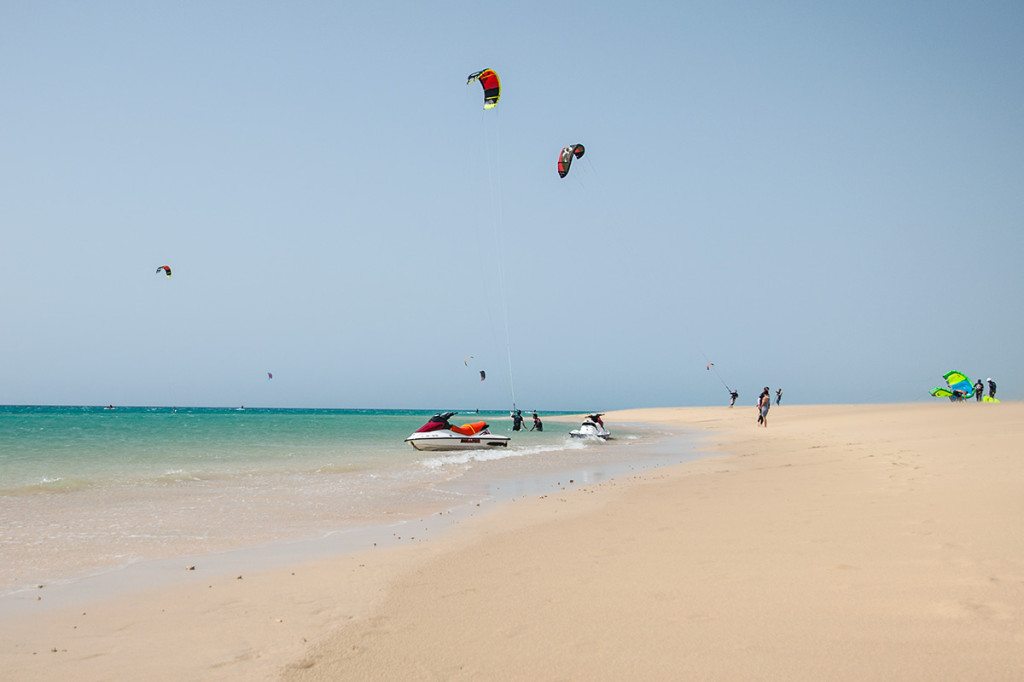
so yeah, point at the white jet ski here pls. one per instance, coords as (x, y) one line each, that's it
(592, 427)
(439, 434)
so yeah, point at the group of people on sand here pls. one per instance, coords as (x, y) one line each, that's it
(764, 403)
(960, 395)
(518, 419)
(733, 395)
(979, 389)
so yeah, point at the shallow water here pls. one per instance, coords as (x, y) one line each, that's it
(86, 490)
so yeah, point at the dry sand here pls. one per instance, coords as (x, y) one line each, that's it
(843, 542)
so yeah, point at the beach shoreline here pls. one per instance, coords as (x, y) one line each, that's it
(472, 493)
(842, 542)
(87, 492)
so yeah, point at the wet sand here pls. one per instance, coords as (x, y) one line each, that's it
(842, 542)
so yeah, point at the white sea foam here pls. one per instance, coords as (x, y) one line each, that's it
(173, 476)
(46, 484)
(490, 455)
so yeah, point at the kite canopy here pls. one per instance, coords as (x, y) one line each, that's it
(166, 269)
(565, 158)
(958, 386)
(958, 381)
(483, 375)
(491, 84)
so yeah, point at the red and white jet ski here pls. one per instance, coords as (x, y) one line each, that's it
(439, 434)
(592, 427)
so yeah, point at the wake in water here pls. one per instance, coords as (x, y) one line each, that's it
(491, 455)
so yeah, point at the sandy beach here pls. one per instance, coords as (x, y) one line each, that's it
(842, 542)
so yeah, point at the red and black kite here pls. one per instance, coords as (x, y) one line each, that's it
(565, 158)
(491, 84)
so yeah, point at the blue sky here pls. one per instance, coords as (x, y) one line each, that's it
(823, 198)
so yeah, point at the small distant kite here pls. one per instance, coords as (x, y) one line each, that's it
(483, 375)
(491, 84)
(565, 158)
(166, 269)
(270, 375)
(710, 365)
(466, 360)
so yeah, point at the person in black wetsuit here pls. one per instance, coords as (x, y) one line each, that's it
(778, 396)
(517, 420)
(732, 397)
(979, 390)
(991, 388)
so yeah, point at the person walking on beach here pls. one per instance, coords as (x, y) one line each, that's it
(538, 425)
(979, 390)
(764, 403)
(778, 396)
(732, 397)
(991, 388)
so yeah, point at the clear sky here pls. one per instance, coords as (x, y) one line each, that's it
(824, 198)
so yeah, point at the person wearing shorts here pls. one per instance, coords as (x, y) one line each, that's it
(764, 403)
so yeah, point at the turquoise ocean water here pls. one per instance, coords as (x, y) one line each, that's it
(53, 449)
(87, 489)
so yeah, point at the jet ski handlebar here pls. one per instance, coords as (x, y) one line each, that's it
(436, 423)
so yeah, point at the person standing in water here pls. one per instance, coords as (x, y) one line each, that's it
(778, 396)
(979, 390)
(538, 425)
(732, 397)
(517, 420)
(764, 403)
